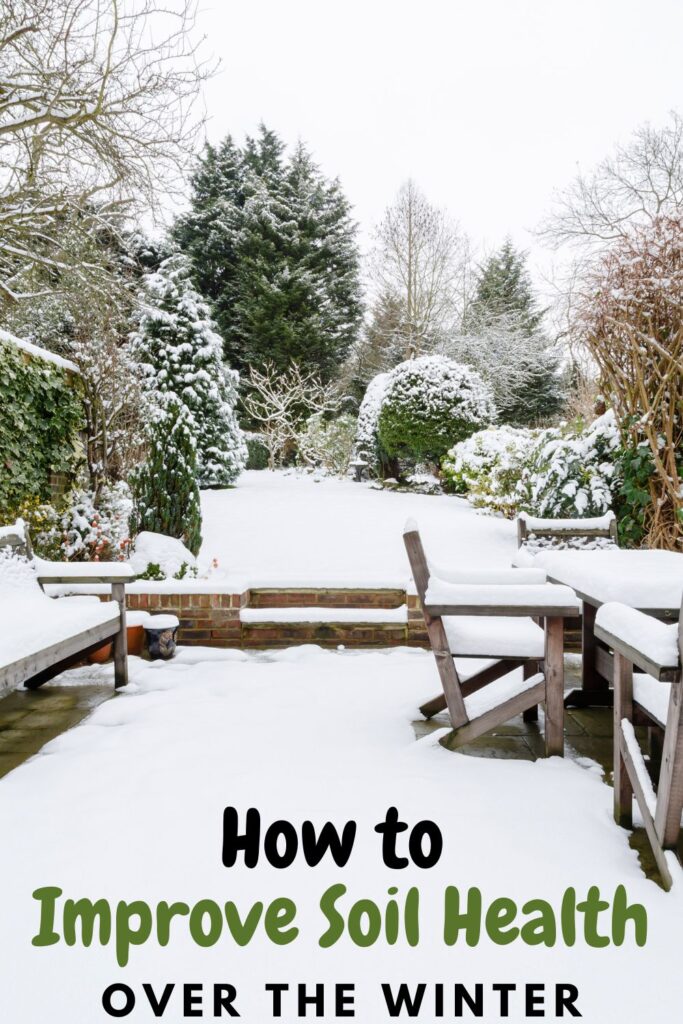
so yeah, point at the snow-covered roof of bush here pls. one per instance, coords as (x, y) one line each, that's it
(438, 381)
(368, 415)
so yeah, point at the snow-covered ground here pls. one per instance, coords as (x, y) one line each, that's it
(281, 527)
(129, 806)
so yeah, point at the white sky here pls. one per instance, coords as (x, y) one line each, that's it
(488, 104)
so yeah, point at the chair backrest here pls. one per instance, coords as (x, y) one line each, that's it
(416, 556)
(17, 538)
(599, 526)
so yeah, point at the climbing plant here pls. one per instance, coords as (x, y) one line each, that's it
(40, 415)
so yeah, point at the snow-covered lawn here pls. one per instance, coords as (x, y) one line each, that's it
(279, 527)
(129, 806)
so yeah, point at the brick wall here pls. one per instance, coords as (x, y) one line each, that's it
(212, 620)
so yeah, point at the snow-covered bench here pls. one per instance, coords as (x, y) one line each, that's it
(656, 648)
(41, 636)
(481, 626)
(535, 534)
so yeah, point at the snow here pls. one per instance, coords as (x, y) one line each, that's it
(655, 640)
(594, 523)
(499, 691)
(653, 695)
(37, 352)
(129, 805)
(502, 577)
(287, 529)
(168, 553)
(162, 622)
(642, 579)
(494, 636)
(634, 750)
(93, 570)
(547, 596)
(356, 615)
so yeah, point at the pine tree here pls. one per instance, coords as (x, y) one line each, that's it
(181, 354)
(272, 244)
(503, 291)
(164, 487)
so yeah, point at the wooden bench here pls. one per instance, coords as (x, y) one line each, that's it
(656, 648)
(67, 629)
(566, 529)
(489, 615)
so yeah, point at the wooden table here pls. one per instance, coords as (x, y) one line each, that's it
(651, 581)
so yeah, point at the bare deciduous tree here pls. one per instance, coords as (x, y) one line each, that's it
(420, 261)
(632, 319)
(280, 403)
(641, 181)
(97, 101)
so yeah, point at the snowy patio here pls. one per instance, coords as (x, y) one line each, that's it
(306, 734)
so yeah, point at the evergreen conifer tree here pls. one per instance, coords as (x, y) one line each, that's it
(181, 354)
(503, 291)
(164, 487)
(272, 244)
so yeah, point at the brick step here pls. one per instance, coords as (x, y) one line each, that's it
(325, 634)
(324, 597)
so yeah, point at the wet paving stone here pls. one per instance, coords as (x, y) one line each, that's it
(30, 719)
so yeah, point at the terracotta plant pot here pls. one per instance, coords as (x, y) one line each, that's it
(101, 655)
(136, 639)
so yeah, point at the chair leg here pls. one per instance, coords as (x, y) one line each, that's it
(530, 668)
(433, 706)
(554, 686)
(623, 708)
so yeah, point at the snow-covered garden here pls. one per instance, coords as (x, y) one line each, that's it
(317, 514)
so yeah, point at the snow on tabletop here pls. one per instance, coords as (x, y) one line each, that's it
(494, 636)
(168, 553)
(497, 692)
(652, 694)
(656, 640)
(594, 523)
(31, 621)
(546, 595)
(83, 569)
(195, 732)
(642, 579)
(355, 615)
(513, 577)
(40, 353)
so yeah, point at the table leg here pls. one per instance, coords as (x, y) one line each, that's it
(554, 684)
(623, 708)
(595, 690)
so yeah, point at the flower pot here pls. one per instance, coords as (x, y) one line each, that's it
(161, 636)
(136, 639)
(101, 655)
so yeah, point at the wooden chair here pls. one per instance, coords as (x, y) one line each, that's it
(653, 698)
(34, 663)
(489, 615)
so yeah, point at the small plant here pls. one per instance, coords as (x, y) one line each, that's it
(152, 572)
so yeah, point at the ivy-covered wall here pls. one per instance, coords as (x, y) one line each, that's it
(40, 416)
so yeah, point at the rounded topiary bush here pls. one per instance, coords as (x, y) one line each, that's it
(429, 404)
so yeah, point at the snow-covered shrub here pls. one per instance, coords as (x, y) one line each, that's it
(429, 404)
(328, 443)
(257, 451)
(367, 441)
(156, 557)
(488, 467)
(90, 533)
(165, 491)
(572, 472)
(181, 354)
